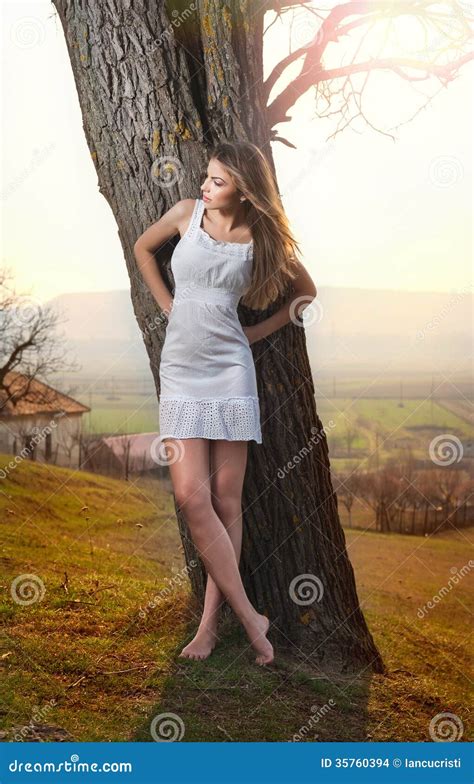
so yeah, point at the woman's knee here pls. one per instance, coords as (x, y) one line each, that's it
(227, 506)
(192, 498)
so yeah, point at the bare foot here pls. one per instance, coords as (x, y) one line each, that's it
(257, 632)
(201, 646)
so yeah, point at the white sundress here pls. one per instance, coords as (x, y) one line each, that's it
(208, 386)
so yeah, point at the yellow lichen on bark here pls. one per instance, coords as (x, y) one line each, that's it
(227, 17)
(206, 23)
(182, 130)
(156, 141)
(244, 9)
(307, 617)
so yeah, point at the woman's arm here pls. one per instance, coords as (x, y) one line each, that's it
(304, 288)
(150, 242)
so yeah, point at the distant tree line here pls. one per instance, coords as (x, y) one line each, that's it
(399, 498)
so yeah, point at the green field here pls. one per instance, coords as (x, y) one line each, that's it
(384, 429)
(390, 415)
(129, 413)
(383, 426)
(88, 663)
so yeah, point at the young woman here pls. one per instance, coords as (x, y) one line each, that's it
(235, 244)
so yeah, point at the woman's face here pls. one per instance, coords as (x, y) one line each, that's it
(218, 190)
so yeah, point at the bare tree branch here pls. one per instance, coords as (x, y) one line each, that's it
(313, 72)
(29, 345)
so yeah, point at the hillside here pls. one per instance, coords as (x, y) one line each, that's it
(92, 660)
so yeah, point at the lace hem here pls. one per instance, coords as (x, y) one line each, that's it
(232, 419)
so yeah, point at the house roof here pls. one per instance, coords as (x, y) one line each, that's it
(39, 398)
(140, 445)
(143, 450)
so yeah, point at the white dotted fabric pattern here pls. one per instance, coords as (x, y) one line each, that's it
(232, 419)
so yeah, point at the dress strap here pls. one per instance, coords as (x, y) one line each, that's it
(196, 217)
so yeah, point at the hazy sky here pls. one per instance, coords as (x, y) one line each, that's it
(368, 211)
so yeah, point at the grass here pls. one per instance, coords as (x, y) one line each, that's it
(137, 412)
(93, 658)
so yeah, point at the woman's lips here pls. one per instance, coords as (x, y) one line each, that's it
(205, 198)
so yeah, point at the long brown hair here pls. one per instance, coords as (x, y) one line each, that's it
(274, 247)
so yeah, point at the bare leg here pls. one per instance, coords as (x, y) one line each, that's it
(191, 483)
(228, 462)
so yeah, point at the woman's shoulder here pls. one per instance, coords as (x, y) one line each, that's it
(183, 211)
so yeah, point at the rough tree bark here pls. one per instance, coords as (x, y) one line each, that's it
(157, 86)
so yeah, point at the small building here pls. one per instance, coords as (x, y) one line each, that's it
(121, 456)
(37, 422)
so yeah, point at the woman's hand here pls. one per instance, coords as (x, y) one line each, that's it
(252, 333)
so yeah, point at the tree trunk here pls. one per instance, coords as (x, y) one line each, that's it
(154, 96)
(425, 520)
